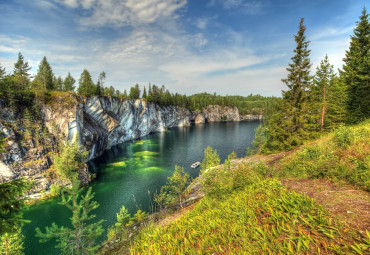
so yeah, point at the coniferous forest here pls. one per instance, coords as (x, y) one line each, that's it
(317, 134)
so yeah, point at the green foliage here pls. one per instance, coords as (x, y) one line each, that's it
(123, 217)
(263, 217)
(21, 75)
(327, 104)
(11, 205)
(259, 140)
(356, 71)
(100, 84)
(55, 189)
(341, 156)
(174, 188)
(12, 243)
(134, 92)
(139, 216)
(211, 159)
(86, 86)
(343, 136)
(290, 124)
(70, 160)
(81, 238)
(68, 83)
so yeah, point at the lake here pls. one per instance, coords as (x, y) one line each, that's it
(130, 173)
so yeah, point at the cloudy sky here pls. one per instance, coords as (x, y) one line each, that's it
(224, 46)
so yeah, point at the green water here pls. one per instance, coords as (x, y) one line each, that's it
(130, 173)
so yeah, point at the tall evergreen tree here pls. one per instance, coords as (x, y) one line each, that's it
(135, 92)
(144, 93)
(100, 84)
(12, 243)
(68, 84)
(11, 205)
(58, 83)
(321, 90)
(44, 77)
(80, 239)
(86, 85)
(21, 69)
(356, 71)
(290, 125)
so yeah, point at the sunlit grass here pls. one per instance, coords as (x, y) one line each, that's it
(343, 155)
(264, 218)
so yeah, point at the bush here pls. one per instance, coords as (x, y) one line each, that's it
(343, 137)
(55, 189)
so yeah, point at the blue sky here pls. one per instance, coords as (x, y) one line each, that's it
(233, 47)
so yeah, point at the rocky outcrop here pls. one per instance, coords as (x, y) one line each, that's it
(97, 123)
(102, 122)
(251, 117)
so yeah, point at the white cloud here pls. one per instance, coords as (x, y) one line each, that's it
(246, 6)
(119, 13)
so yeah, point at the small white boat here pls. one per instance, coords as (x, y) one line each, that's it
(195, 165)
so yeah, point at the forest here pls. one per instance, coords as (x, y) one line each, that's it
(331, 107)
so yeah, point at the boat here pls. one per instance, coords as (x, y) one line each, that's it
(195, 165)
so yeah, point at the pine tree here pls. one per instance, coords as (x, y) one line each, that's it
(134, 92)
(68, 84)
(12, 243)
(144, 93)
(44, 77)
(100, 84)
(291, 123)
(86, 86)
(356, 71)
(58, 83)
(21, 70)
(80, 239)
(321, 90)
(11, 205)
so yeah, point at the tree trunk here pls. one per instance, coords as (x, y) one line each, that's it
(323, 106)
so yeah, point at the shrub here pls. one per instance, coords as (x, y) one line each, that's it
(343, 137)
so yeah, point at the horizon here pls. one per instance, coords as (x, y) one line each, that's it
(187, 45)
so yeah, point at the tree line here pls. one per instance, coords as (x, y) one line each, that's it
(313, 104)
(20, 90)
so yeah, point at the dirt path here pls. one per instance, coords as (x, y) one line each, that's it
(346, 202)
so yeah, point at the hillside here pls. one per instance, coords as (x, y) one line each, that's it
(313, 200)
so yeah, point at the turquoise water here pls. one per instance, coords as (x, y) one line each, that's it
(130, 173)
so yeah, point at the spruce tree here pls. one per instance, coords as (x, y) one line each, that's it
(21, 69)
(321, 90)
(12, 243)
(356, 71)
(68, 84)
(44, 77)
(11, 205)
(86, 86)
(144, 93)
(100, 85)
(80, 239)
(290, 124)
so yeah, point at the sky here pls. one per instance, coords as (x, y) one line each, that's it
(231, 47)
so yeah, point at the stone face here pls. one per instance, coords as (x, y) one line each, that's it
(199, 118)
(102, 122)
(216, 113)
(97, 123)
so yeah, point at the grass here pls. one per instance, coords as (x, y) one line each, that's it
(341, 156)
(247, 210)
(263, 218)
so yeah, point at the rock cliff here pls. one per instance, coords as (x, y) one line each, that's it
(98, 123)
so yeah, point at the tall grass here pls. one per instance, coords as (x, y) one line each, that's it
(262, 218)
(343, 155)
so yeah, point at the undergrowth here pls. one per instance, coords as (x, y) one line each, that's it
(341, 156)
(262, 218)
